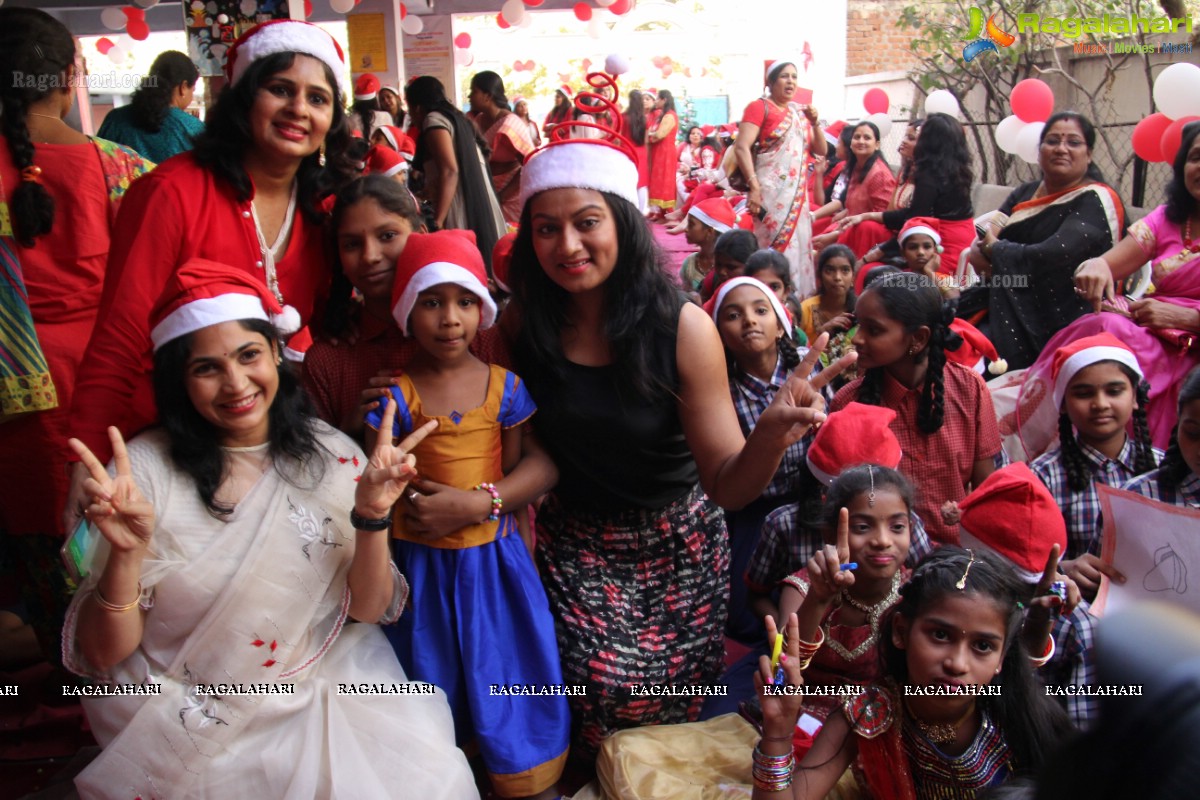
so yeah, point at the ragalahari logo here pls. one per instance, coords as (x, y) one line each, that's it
(984, 37)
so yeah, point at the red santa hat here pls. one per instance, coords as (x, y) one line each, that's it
(502, 259)
(713, 306)
(385, 161)
(833, 131)
(1082, 353)
(857, 434)
(774, 66)
(716, 213)
(387, 87)
(429, 259)
(975, 348)
(930, 226)
(566, 91)
(286, 36)
(400, 141)
(202, 293)
(604, 164)
(366, 87)
(1013, 514)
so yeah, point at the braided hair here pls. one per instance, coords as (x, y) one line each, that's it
(1173, 468)
(1031, 722)
(1079, 474)
(913, 300)
(37, 54)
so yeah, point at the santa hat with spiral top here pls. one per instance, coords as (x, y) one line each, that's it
(857, 434)
(930, 226)
(429, 259)
(604, 164)
(713, 306)
(202, 293)
(1081, 354)
(285, 36)
(716, 213)
(385, 161)
(1013, 514)
(975, 348)
(366, 87)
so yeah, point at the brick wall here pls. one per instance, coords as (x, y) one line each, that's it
(874, 43)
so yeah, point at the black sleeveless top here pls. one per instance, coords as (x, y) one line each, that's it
(614, 449)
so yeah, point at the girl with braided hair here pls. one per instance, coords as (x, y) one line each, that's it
(945, 420)
(1177, 480)
(59, 192)
(1098, 388)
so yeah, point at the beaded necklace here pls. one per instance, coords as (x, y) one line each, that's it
(271, 252)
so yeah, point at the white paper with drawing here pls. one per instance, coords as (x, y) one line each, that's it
(1154, 545)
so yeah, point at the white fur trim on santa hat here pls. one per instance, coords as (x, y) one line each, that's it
(391, 137)
(443, 272)
(392, 171)
(193, 316)
(589, 164)
(925, 229)
(290, 36)
(1084, 359)
(717, 225)
(776, 65)
(818, 473)
(970, 541)
(733, 283)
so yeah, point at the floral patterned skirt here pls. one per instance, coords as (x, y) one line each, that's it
(640, 600)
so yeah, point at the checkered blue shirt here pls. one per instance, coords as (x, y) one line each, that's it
(1152, 485)
(1074, 663)
(751, 396)
(1081, 510)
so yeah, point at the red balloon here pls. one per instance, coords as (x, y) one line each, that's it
(502, 22)
(1147, 136)
(583, 12)
(876, 101)
(533, 3)
(1172, 138)
(403, 11)
(308, 9)
(138, 30)
(463, 40)
(133, 13)
(621, 7)
(1032, 100)
(104, 45)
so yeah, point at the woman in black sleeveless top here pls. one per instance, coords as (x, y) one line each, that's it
(634, 406)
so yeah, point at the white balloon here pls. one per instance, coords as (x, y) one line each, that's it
(223, 19)
(412, 24)
(596, 28)
(125, 42)
(616, 64)
(1029, 139)
(146, 3)
(941, 101)
(117, 54)
(197, 5)
(883, 122)
(513, 11)
(526, 21)
(1177, 90)
(605, 3)
(463, 57)
(1006, 133)
(341, 6)
(113, 18)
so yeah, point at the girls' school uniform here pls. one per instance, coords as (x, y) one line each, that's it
(1155, 485)
(480, 615)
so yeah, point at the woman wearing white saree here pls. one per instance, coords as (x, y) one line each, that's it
(240, 543)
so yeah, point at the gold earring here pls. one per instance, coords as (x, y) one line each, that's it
(321, 156)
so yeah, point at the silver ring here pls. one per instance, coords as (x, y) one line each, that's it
(412, 497)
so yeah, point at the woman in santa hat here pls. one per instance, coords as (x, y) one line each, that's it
(368, 114)
(250, 194)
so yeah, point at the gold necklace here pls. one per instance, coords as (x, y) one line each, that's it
(939, 733)
(873, 612)
(47, 116)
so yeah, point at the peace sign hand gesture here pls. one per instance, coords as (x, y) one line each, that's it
(390, 467)
(825, 574)
(798, 405)
(118, 508)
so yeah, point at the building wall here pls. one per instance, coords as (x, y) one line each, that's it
(874, 42)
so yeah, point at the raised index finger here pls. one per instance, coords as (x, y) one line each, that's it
(1051, 569)
(120, 454)
(843, 535)
(805, 367)
(88, 459)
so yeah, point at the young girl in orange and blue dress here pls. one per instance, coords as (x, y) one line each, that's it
(480, 616)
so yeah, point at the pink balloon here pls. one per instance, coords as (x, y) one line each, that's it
(583, 12)
(1148, 135)
(104, 45)
(1032, 100)
(1172, 138)
(876, 101)
(463, 40)
(502, 22)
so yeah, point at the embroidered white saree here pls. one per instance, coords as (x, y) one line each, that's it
(261, 598)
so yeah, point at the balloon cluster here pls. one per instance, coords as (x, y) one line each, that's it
(1020, 133)
(876, 103)
(1177, 95)
(132, 20)
(513, 14)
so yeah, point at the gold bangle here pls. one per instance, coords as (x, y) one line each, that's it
(116, 609)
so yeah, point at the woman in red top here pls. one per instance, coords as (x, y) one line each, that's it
(58, 197)
(664, 158)
(871, 184)
(562, 109)
(249, 196)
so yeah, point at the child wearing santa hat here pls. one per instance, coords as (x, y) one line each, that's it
(1099, 390)
(367, 115)
(480, 615)
(705, 222)
(1015, 516)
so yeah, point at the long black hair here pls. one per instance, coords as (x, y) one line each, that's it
(1032, 724)
(787, 351)
(906, 166)
(1079, 473)
(227, 138)
(861, 479)
(195, 442)
(635, 118)
(1180, 203)
(913, 300)
(858, 172)
(1173, 468)
(36, 56)
(474, 179)
(152, 101)
(834, 251)
(393, 198)
(668, 100)
(491, 84)
(640, 305)
(940, 156)
(1089, 136)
